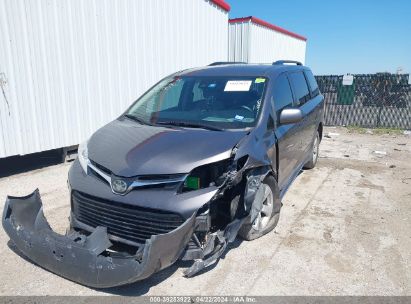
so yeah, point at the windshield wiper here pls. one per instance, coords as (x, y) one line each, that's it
(139, 120)
(189, 125)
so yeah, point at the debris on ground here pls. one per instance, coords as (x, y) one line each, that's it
(331, 134)
(380, 152)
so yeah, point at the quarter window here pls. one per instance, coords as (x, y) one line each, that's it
(300, 87)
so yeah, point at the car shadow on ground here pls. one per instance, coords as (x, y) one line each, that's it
(143, 287)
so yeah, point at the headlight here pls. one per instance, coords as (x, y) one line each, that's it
(213, 174)
(82, 153)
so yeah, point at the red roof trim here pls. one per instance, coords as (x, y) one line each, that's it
(267, 25)
(221, 3)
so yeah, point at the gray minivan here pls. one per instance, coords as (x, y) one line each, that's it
(205, 155)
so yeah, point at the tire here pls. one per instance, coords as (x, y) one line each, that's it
(268, 217)
(314, 153)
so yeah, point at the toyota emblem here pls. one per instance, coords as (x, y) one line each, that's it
(119, 186)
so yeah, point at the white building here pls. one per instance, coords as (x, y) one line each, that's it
(256, 41)
(67, 67)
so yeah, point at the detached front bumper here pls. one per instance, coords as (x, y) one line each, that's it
(85, 259)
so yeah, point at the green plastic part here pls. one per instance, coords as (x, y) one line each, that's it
(192, 182)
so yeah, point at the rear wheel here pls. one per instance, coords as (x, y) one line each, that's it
(314, 153)
(268, 216)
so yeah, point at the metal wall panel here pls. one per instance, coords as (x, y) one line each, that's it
(67, 67)
(268, 45)
(239, 41)
(254, 43)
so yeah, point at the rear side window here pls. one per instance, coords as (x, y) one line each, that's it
(282, 94)
(312, 82)
(300, 87)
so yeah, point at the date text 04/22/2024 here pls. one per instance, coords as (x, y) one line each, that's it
(202, 299)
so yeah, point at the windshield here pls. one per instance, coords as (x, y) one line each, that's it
(213, 102)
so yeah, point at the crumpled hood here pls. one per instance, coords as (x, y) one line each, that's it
(128, 149)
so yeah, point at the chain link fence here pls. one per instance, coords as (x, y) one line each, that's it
(367, 100)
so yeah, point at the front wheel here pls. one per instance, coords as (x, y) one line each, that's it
(268, 216)
(314, 153)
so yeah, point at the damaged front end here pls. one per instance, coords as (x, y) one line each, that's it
(92, 256)
(237, 203)
(87, 260)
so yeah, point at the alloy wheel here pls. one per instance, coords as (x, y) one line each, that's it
(265, 214)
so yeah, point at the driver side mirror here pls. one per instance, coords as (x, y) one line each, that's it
(289, 116)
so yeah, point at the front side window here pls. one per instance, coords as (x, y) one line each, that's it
(300, 87)
(282, 94)
(313, 83)
(220, 102)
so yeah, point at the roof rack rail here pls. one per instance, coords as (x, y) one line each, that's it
(281, 62)
(226, 62)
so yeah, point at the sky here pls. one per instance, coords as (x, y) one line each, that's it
(350, 36)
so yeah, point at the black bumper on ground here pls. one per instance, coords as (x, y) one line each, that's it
(85, 259)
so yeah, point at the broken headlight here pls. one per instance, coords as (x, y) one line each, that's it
(82, 153)
(209, 175)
